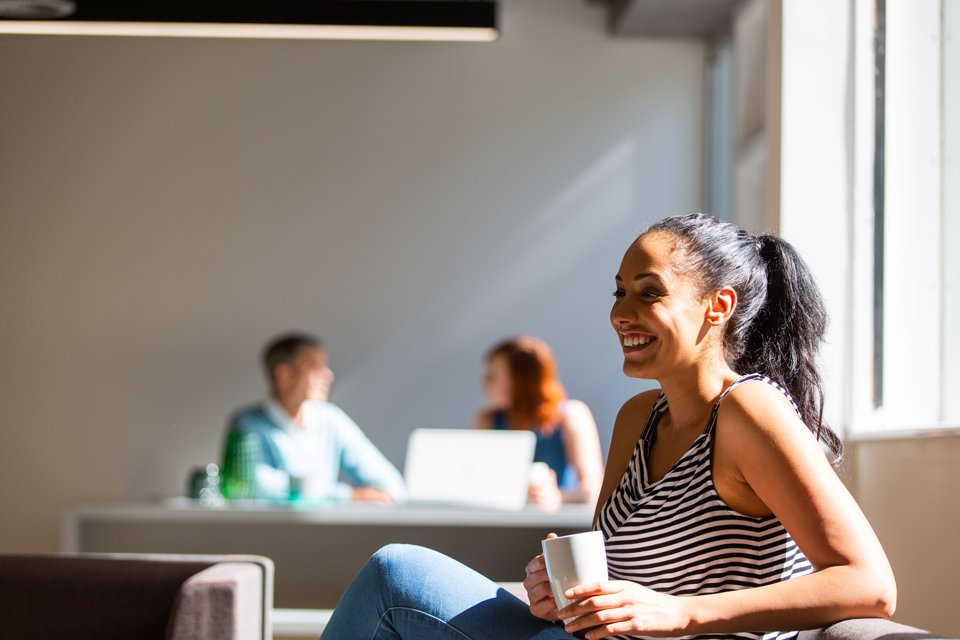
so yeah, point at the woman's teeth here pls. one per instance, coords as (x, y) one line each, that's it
(636, 341)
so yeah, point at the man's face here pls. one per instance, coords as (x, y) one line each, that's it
(308, 378)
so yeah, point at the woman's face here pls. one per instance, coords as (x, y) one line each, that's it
(657, 313)
(496, 382)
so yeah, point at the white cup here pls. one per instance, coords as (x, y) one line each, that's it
(539, 473)
(574, 560)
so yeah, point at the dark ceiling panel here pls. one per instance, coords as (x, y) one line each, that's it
(670, 18)
(390, 13)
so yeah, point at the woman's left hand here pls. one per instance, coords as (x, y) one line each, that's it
(621, 607)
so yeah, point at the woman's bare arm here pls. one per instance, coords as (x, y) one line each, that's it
(582, 443)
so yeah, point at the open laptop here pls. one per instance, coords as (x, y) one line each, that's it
(469, 467)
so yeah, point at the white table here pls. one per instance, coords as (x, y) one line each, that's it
(317, 551)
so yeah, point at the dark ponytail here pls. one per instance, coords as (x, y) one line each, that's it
(780, 319)
(785, 337)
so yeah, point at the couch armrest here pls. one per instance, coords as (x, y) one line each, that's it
(230, 600)
(869, 629)
(855, 629)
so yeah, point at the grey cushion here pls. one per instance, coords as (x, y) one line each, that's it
(222, 602)
(869, 629)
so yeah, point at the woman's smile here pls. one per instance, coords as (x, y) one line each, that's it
(635, 341)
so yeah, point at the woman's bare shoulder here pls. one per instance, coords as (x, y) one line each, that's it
(761, 447)
(760, 407)
(632, 417)
(575, 410)
(640, 404)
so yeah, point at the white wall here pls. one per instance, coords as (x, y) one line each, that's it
(908, 489)
(167, 205)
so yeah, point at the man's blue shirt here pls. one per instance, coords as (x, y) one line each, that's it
(326, 451)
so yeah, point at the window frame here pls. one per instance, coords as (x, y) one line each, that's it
(901, 308)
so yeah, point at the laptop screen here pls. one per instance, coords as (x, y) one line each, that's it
(469, 467)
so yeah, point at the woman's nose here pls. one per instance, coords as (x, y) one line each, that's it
(622, 314)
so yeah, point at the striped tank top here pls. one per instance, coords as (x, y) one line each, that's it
(677, 536)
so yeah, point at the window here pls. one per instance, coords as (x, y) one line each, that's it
(950, 73)
(857, 129)
(913, 237)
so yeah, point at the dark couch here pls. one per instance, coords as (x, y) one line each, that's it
(143, 596)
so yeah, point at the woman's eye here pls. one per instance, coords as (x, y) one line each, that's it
(648, 294)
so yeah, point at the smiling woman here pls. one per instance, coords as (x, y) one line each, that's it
(721, 515)
(780, 319)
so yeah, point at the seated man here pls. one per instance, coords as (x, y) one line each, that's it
(304, 444)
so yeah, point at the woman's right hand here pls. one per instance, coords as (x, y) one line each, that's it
(537, 585)
(543, 490)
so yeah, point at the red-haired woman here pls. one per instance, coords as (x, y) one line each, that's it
(523, 392)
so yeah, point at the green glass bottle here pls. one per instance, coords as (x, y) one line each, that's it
(240, 456)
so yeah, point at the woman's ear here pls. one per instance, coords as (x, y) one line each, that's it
(722, 303)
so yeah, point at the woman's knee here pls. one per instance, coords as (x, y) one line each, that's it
(399, 571)
(398, 558)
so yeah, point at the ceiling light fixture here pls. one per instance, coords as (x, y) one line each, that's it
(438, 20)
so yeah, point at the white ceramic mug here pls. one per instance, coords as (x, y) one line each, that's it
(574, 560)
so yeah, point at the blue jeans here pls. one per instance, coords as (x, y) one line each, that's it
(413, 593)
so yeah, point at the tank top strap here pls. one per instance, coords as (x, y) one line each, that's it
(712, 422)
(649, 433)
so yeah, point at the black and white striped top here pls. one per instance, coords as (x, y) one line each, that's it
(677, 536)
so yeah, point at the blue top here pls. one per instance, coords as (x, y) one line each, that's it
(326, 449)
(550, 449)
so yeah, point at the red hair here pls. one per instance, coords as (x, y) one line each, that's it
(535, 391)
